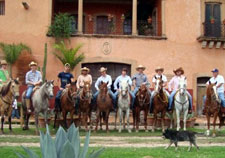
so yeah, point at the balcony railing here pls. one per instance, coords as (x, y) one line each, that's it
(146, 28)
(214, 30)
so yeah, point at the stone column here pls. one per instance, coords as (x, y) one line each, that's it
(80, 16)
(163, 17)
(134, 18)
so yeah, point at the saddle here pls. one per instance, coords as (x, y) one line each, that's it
(34, 90)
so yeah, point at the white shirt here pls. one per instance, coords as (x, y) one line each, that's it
(158, 76)
(104, 79)
(219, 79)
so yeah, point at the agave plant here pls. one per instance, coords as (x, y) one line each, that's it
(68, 55)
(65, 145)
(12, 53)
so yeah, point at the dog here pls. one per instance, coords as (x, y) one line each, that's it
(176, 136)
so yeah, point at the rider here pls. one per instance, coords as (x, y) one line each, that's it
(4, 74)
(106, 79)
(64, 80)
(159, 73)
(33, 79)
(117, 82)
(173, 86)
(219, 80)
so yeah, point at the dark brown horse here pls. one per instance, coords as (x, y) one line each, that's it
(85, 101)
(67, 104)
(142, 102)
(104, 105)
(160, 103)
(212, 107)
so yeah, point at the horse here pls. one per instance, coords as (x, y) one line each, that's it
(160, 102)
(142, 103)
(67, 100)
(85, 101)
(40, 101)
(212, 107)
(181, 102)
(124, 102)
(104, 105)
(9, 91)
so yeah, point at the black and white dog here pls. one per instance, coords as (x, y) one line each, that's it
(176, 136)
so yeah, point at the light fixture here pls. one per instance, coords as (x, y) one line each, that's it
(25, 5)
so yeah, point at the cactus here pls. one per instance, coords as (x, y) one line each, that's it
(45, 63)
(65, 145)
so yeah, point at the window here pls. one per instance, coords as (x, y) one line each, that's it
(2, 7)
(102, 25)
(127, 27)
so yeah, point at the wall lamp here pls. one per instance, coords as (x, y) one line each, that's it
(25, 5)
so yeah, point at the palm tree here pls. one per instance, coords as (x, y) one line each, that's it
(66, 55)
(12, 53)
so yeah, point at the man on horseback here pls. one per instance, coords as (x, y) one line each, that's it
(33, 79)
(159, 74)
(64, 80)
(4, 74)
(119, 79)
(173, 86)
(219, 81)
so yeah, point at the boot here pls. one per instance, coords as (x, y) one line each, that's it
(28, 105)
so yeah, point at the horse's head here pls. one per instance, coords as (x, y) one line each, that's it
(48, 88)
(158, 84)
(103, 87)
(124, 88)
(142, 94)
(73, 90)
(87, 89)
(211, 90)
(15, 87)
(182, 87)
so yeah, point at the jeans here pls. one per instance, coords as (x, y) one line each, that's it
(221, 97)
(110, 93)
(153, 94)
(171, 97)
(116, 98)
(15, 113)
(29, 91)
(57, 99)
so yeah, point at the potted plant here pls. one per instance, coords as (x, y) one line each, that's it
(212, 20)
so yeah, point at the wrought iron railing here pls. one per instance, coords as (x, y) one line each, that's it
(214, 30)
(146, 28)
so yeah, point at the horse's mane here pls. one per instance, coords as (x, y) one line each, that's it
(6, 88)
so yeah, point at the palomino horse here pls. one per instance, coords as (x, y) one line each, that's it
(181, 102)
(142, 102)
(160, 102)
(67, 100)
(9, 91)
(124, 102)
(212, 107)
(104, 105)
(40, 102)
(85, 101)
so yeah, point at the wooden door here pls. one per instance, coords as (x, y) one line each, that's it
(102, 25)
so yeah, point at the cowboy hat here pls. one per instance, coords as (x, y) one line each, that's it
(3, 62)
(140, 67)
(159, 69)
(179, 69)
(102, 69)
(67, 65)
(32, 64)
(85, 69)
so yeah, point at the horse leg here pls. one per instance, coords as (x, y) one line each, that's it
(46, 117)
(97, 119)
(115, 119)
(101, 119)
(107, 121)
(128, 119)
(120, 115)
(185, 119)
(163, 120)
(64, 113)
(154, 121)
(80, 121)
(56, 115)
(178, 119)
(124, 123)
(71, 117)
(134, 120)
(10, 123)
(137, 119)
(208, 123)
(145, 119)
(214, 125)
(86, 119)
(36, 122)
(2, 121)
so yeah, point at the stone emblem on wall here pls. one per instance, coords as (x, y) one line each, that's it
(106, 48)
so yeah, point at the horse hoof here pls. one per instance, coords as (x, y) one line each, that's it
(137, 131)
(129, 131)
(214, 135)
(146, 130)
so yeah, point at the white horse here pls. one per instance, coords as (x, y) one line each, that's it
(181, 102)
(124, 101)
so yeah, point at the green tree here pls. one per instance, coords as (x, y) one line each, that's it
(12, 53)
(68, 55)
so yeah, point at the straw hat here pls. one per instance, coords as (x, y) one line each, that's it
(85, 69)
(67, 65)
(3, 62)
(159, 69)
(179, 69)
(102, 69)
(33, 64)
(140, 67)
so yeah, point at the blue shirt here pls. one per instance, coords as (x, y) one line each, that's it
(140, 79)
(65, 78)
(121, 78)
(32, 77)
(104, 79)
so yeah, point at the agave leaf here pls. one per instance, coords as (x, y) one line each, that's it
(67, 150)
(95, 154)
(61, 138)
(42, 144)
(29, 152)
(47, 129)
(20, 155)
(71, 131)
(50, 150)
(86, 144)
(75, 141)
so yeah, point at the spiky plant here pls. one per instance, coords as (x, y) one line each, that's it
(45, 62)
(68, 55)
(12, 53)
(65, 145)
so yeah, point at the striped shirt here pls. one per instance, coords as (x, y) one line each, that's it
(32, 77)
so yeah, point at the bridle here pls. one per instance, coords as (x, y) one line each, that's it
(181, 103)
(143, 101)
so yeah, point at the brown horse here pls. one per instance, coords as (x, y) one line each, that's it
(142, 102)
(9, 91)
(160, 102)
(85, 101)
(212, 107)
(104, 105)
(67, 103)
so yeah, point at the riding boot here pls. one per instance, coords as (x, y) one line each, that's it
(28, 105)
